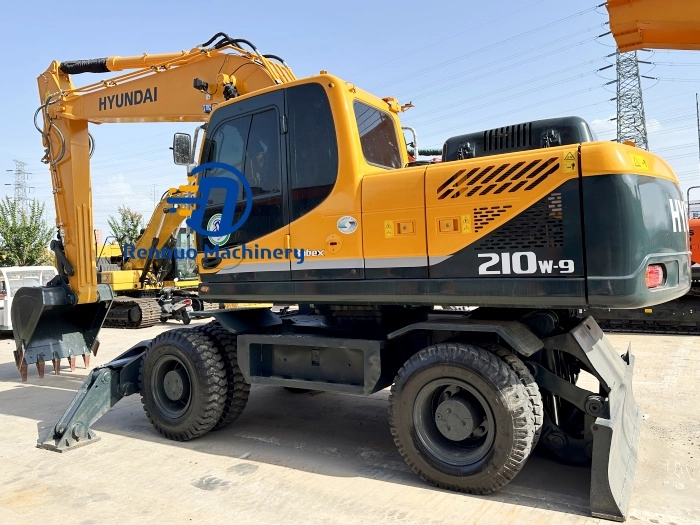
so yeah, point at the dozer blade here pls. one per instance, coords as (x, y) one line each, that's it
(616, 430)
(48, 325)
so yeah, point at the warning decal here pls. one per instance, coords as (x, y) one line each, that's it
(466, 221)
(640, 162)
(569, 162)
(388, 229)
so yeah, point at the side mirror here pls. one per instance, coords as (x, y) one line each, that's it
(182, 145)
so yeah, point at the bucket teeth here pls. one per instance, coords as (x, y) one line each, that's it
(56, 362)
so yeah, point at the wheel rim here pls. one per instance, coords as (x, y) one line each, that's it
(171, 386)
(454, 422)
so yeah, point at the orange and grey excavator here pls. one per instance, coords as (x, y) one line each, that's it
(304, 194)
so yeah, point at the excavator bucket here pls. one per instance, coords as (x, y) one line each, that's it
(48, 325)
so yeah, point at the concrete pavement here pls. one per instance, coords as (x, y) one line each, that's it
(318, 458)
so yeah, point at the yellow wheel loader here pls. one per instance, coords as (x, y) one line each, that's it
(531, 223)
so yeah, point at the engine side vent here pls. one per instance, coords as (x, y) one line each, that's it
(541, 226)
(495, 179)
(483, 217)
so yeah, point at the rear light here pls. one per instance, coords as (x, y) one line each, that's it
(188, 302)
(655, 275)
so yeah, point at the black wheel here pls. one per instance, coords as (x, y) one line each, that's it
(197, 304)
(185, 318)
(183, 384)
(528, 380)
(238, 389)
(461, 418)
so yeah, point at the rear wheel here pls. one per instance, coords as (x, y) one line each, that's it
(461, 418)
(183, 384)
(530, 384)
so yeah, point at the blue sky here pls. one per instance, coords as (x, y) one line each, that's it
(466, 66)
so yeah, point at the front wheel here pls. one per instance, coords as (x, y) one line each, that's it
(461, 418)
(183, 384)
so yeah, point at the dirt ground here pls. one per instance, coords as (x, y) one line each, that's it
(318, 457)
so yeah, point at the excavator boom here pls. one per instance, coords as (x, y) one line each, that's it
(171, 87)
(656, 24)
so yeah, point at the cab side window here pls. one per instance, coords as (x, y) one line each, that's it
(262, 165)
(228, 145)
(313, 147)
(378, 137)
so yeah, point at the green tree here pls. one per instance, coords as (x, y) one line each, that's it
(24, 235)
(127, 227)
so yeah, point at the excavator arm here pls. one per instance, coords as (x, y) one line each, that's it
(175, 87)
(164, 222)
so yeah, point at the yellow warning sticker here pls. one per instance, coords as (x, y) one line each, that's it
(569, 161)
(388, 229)
(639, 162)
(466, 222)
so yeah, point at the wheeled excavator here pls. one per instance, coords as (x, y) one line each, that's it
(532, 223)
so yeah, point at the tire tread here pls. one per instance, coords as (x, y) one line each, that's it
(238, 390)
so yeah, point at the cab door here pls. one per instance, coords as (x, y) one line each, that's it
(248, 136)
(324, 207)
